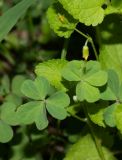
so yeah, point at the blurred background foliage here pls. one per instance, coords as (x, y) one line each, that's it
(32, 41)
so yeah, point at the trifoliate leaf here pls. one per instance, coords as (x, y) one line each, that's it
(56, 105)
(88, 12)
(16, 84)
(95, 112)
(109, 115)
(6, 132)
(118, 117)
(35, 111)
(8, 113)
(81, 70)
(85, 149)
(37, 89)
(89, 75)
(87, 92)
(52, 71)
(60, 20)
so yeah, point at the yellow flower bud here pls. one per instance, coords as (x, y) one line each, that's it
(85, 52)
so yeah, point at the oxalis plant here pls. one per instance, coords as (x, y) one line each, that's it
(87, 90)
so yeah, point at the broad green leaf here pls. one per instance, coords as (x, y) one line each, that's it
(10, 17)
(27, 112)
(118, 117)
(41, 118)
(120, 93)
(6, 132)
(30, 90)
(97, 79)
(88, 12)
(60, 20)
(37, 89)
(95, 112)
(114, 58)
(92, 67)
(109, 115)
(16, 84)
(8, 113)
(111, 44)
(87, 92)
(116, 4)
(73, 71)
(85, 149)
(14, 99)
(107, 94)
(52, 71)
(5, 85)
(56, 105)
(43, 86)
(112, 88)
(31, 112)
(87, 71)
(113, 81)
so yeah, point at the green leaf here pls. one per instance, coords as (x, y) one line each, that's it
(97, 79)
(8, 113)
(118, 117)
(109, 115)
(33, 112)
(41, 118)
(6, 132)
(111, 44)
(88, 12)
(52, 71)
(14, 99)
(120, 93)
(56, 105)
(16, 84)
(60, 20)
(87, 71)
(43, 86)
(73, 71)
(5, 84)
(113, 87)
(10, 17)
(116, 4)
(37, 89)
(95, 112)
(87, 92)
(85, 149)
(92, 67)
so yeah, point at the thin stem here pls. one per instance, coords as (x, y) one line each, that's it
(96, 140)
(90, 40)
(64, 50)
(84, 35)
(94, 49)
